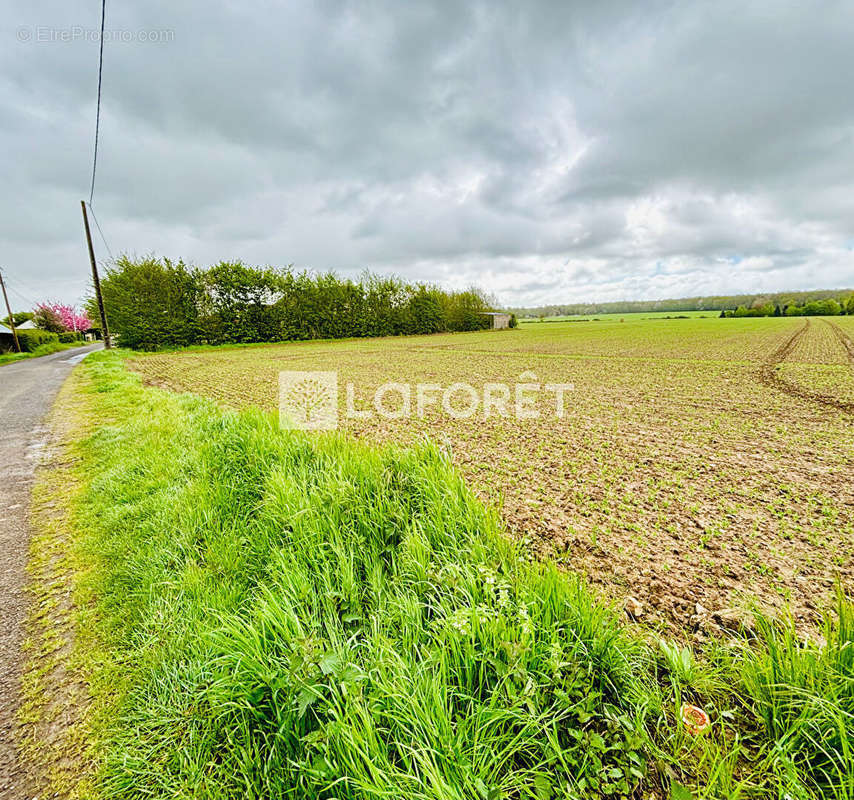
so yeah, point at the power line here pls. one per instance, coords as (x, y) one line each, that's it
(23, 296)
(20, 293)
(103, 239)
(98, 108)
(105, 331)
(22, 284)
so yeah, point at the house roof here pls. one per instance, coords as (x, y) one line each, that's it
(24, 326)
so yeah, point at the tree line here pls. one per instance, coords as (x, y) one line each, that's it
(707, 303)
(153, 303)
(828, 307)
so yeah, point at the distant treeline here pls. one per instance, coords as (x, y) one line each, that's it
(814, 308)
(711, 303)
(153, 303)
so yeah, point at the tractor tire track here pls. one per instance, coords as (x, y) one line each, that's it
(845, 341)
(769, 375)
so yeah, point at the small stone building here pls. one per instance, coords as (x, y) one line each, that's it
(500, 319)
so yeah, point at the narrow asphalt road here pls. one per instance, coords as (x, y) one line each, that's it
(27, 390)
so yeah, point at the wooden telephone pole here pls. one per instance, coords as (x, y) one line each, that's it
(11, 320)
(104, 329)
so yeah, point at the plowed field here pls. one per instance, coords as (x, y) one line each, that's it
(701, 464)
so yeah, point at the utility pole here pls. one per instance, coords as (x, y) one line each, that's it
(11, 320)
(104, 329)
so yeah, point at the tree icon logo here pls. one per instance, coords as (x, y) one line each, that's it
(308, 400)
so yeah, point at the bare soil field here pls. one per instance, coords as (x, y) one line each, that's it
(701, 464)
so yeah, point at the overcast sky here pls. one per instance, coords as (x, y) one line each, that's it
(546, 152)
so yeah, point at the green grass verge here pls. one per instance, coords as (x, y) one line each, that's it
(283, 615)
(42, 350)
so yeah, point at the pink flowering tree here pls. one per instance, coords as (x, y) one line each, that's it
(67, 316)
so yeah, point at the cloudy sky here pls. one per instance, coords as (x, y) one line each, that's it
(547, 152)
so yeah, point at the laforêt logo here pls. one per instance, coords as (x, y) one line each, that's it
(308, 400)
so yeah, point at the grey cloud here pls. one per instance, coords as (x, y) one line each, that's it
(545, 151)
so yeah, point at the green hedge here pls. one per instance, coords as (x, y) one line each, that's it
(32, 339)
(153, 303)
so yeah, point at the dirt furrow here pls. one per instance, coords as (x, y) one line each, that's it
(769, 375)
(845, 340)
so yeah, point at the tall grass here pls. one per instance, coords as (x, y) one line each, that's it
(290, 616)
(804, 696)
(314, 618)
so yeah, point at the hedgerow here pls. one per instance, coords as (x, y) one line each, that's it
(153, 303)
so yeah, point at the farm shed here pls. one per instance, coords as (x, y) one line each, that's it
(7, 341)
(500, 319)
